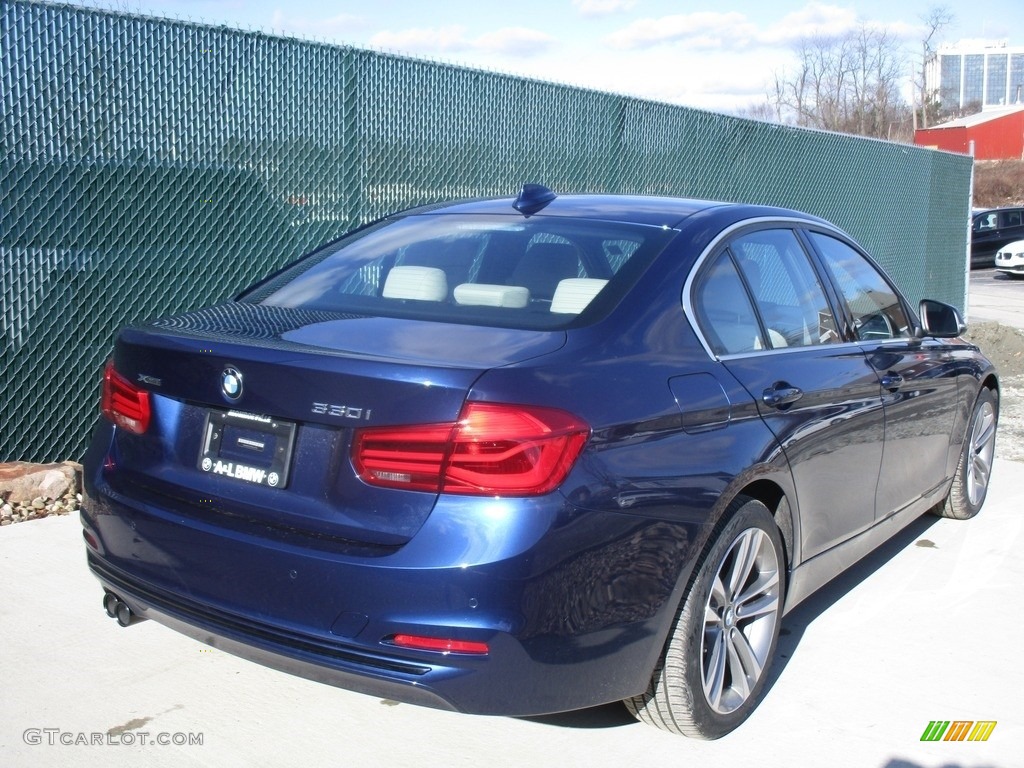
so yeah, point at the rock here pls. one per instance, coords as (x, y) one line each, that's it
(34, 491)
(21, 481)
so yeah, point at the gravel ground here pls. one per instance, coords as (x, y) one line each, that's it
(39, 507)
(1004, 346)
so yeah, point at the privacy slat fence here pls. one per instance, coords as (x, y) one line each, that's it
(152, 165)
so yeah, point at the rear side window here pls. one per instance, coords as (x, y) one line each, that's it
(724, 311)
(501, 270)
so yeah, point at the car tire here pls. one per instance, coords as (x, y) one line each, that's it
(713, 669)
(970, 483)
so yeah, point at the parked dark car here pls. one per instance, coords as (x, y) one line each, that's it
(991, 230)
(524, 456)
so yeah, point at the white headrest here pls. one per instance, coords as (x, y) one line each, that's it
(574, 294)
(484, 295)
(422, 283)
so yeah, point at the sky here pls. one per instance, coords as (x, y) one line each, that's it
(710, 55)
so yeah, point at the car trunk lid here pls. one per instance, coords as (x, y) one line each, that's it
(254, 410)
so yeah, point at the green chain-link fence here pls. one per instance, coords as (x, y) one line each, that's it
(151, 165)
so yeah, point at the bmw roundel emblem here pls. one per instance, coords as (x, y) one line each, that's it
(231, 383)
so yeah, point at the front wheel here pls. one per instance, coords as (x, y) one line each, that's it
(970, 483)
(714, 666)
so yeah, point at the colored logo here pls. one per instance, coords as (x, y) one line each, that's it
(958, 730)
(231, 383)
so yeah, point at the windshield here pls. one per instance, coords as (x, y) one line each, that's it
(541, 272)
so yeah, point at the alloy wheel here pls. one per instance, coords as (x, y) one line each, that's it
(739, 620)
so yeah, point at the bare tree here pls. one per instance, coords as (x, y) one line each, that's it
(847, 83)
(935, 20)
(760, 110)
(875, 82)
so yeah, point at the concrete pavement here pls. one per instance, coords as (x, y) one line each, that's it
(925, 629)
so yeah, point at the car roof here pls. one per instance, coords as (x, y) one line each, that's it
(980, 211)
(650, 210)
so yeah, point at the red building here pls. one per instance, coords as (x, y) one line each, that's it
(998, 134)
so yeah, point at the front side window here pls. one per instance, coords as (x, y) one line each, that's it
(875, 309)
(985, 222)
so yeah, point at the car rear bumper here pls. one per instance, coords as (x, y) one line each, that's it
(271, 647)
(574, 606)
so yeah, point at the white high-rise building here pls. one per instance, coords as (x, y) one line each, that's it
(975, 74)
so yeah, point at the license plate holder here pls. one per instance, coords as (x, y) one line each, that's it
(247, 447)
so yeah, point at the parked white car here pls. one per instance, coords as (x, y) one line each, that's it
(1010, 258)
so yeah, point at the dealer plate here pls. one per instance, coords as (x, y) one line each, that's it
(247, 447)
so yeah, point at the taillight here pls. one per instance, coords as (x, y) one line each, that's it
(123, 403)
(492, 450)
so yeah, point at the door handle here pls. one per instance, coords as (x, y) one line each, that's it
(892, 381)
(779, 395)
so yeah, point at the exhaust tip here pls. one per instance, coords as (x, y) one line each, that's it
(117, 608)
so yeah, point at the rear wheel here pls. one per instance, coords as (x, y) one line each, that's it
(970, 483)
(713, 670)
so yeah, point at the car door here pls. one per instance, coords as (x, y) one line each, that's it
(1011, 223)
(918, 376)
(764, 314)
(984, 236)
(991, 230)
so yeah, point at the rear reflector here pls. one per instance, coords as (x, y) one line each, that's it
(90, 540)
(123, 403)
(442, 644)
(492, 450)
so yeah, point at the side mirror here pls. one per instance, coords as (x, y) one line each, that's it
(940, 320)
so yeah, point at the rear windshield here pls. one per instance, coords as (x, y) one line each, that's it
(484, 270)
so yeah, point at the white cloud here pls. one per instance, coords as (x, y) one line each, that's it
(710, 30)
(432, 40)
(342, 27)
(813, 20)
(703, 27)
(602, 7)
(509, 41)
(518, 41)
(900, 30)
(718, 80)
(818, 20)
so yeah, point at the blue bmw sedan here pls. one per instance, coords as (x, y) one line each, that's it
(521, 456)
